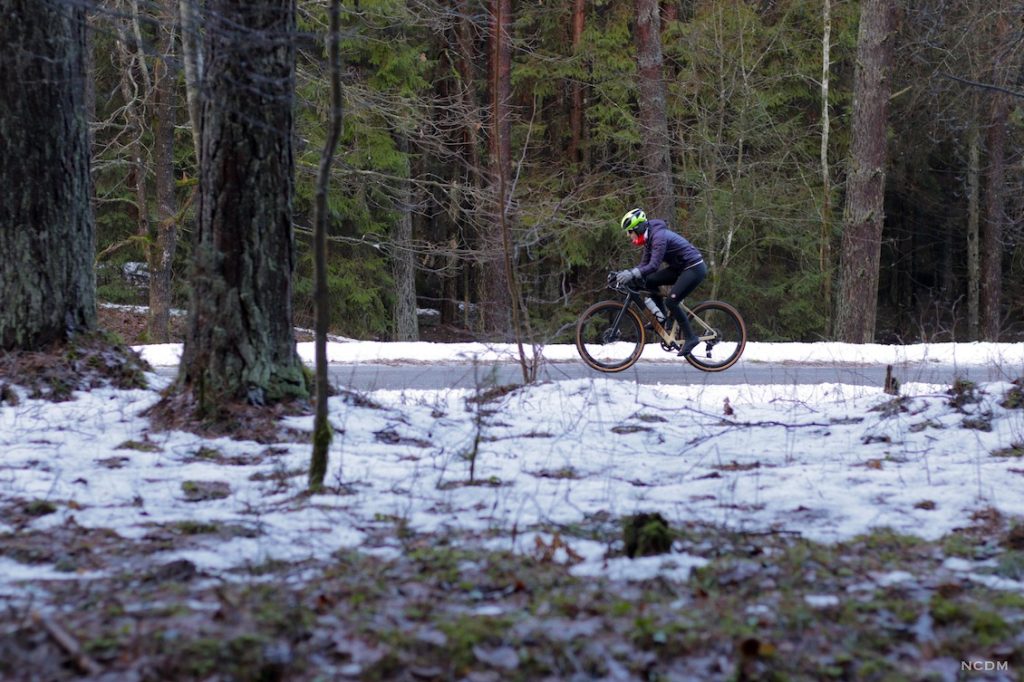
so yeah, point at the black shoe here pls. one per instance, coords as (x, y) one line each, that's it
(688, 347)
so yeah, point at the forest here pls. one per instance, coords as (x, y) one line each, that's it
(850, 171)
(734, 120)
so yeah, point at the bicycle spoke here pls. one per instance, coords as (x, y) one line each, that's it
(605, 345)
(723, 336)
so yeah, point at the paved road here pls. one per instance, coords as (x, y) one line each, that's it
(373, 377)
(369, 377)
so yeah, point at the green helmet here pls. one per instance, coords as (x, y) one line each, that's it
(632, 219)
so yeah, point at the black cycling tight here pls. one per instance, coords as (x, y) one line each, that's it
(685, 281)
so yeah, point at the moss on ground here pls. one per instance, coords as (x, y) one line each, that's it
(881, 606)
(85, 362)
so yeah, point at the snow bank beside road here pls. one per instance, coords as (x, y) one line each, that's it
(1009, 355)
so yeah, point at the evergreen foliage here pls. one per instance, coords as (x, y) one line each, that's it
(744, 110)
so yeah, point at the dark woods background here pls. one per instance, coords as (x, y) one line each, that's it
(714, 115)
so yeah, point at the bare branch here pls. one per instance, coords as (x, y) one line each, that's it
(984, 86)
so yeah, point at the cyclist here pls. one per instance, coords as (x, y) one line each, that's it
(684, 267)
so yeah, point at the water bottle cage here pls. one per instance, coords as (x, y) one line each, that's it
(654, 309)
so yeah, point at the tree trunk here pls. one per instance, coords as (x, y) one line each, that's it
(468, 201)
(240, 343)
(90, 79)
(467, 88)
(576, 104)
(192, 51)
(136, 92)
(512, 316)
(501, 88)
(825, 240)
(322, 430)
(494, 284)
(995, 197)
(403, 262)
(165, 232)
(973, 222)
(669, 12)
(863, 212)
(46, 225)
(654, 137)
(992, 228)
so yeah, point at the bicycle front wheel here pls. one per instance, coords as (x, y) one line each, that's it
(605, 345)
(722, 334)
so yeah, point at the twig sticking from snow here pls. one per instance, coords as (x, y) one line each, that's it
(68, 643)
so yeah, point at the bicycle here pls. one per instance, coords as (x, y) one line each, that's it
(611, 335)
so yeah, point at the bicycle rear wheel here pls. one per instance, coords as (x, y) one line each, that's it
(605, 346)
(723, 336)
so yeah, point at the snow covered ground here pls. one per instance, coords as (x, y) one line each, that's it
(827, 461)
(1007, 355)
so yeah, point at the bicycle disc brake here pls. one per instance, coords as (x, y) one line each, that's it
(711, 343)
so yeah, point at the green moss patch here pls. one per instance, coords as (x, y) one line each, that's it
(40, 508)
(1014, 397)
(646, 534)
(85, 362)
(202, 491)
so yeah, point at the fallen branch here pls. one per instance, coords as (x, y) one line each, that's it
(722, 421)
(983, 86)
(68, 643)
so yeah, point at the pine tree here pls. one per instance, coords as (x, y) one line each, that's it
(240, 344)
(46, 224)
(863, 215)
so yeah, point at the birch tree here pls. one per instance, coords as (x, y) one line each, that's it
(192, 58)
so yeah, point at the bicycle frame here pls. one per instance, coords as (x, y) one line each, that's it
(635, 298)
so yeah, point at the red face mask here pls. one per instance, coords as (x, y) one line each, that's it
(639, 238)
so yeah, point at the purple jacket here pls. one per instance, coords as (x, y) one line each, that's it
(665, 246)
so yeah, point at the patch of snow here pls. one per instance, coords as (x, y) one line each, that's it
(815, 460)
(668, 566)
(14, 572)
(892, 578)
(821, 601)
(140, 309)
